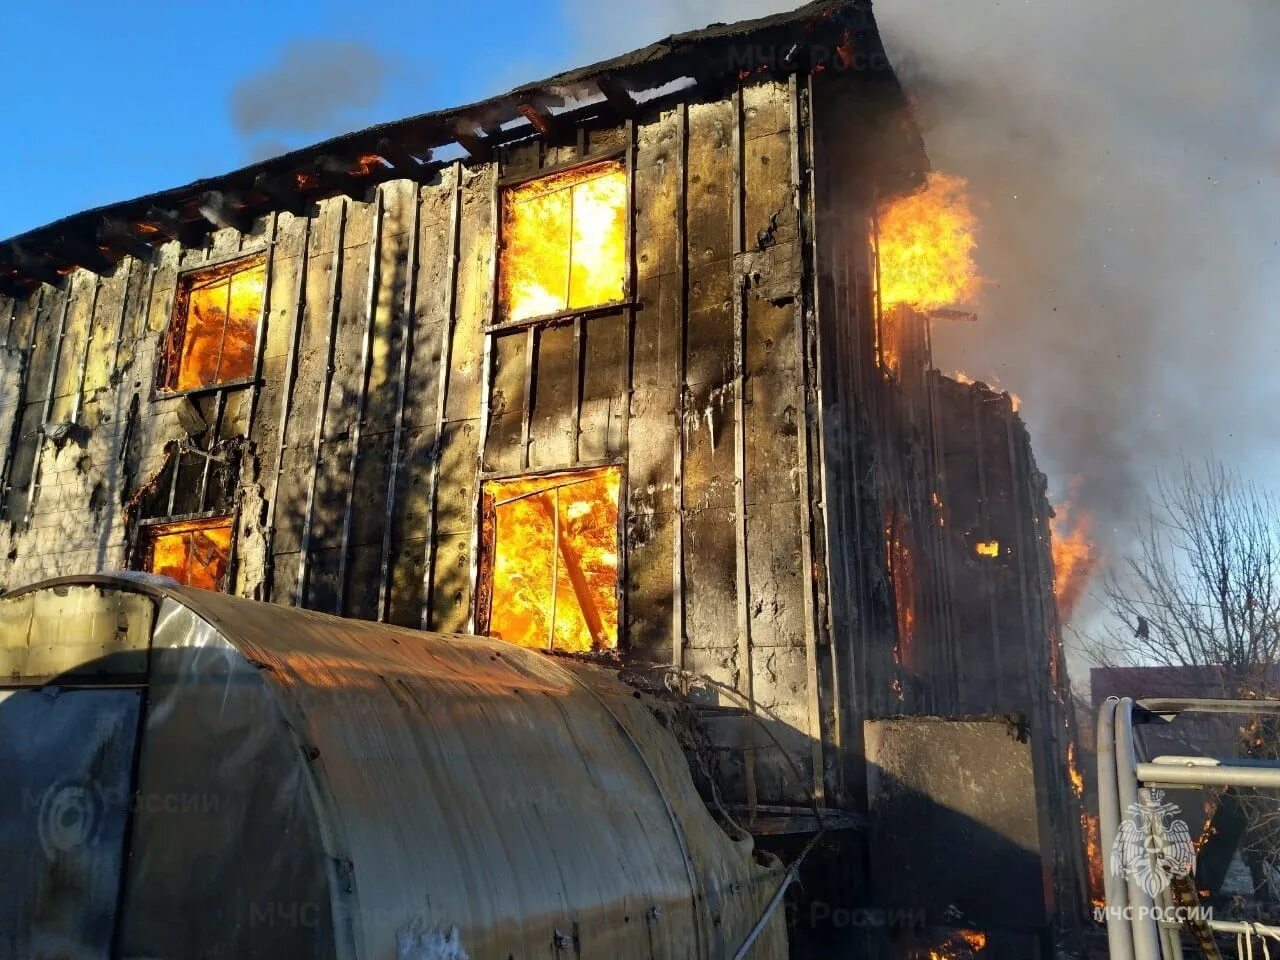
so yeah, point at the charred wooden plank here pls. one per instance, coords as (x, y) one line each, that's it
(409, 163)
(473, 139)
(357, 428)
(317, 441)
(408, 313)
(118, 237)
(441, 406)
(225, 211)
(617, 96)
(286, 193)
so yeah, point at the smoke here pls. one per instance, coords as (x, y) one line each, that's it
(1123, 159)
(316, 88)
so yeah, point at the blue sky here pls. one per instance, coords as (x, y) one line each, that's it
(107, 101)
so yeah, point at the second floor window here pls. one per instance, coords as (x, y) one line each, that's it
(214, 327)
(564, 241)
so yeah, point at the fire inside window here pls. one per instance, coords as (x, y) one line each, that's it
(214, 328)
(564, 241)
(196, 553)
(549, 570)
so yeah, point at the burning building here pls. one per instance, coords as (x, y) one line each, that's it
(631, 365)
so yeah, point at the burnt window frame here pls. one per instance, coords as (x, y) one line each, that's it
(624, 157)
(169, 358)
(143, 551)
(482, 586)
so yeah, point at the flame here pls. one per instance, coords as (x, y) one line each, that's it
(960, 945)
(925, 246)
(987, 548)
(564, 241)
(902, 574)
(990, 382)
(194, 553)
(219, 332)
(1093, 856)
(554, 560)
(1073, 772)
(1074, 559)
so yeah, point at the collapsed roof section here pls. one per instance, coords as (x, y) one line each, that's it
(823, 36)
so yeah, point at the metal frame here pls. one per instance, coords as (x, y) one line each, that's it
(1122, 775)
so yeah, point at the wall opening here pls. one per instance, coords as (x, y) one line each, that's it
(564, 242)
(214, 329)
(549, 560)
(196, 553)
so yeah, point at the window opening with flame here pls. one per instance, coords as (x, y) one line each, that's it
(214, 329)
(923, 246)
(196, 553)
(564, 242)
(549, 562)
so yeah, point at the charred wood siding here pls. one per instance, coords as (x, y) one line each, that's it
(386, 394)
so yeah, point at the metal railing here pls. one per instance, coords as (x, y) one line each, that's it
(1153, 857)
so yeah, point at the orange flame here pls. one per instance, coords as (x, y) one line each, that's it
(1073, 772)
(1074, 560)
(902, 574)
(219, 331)
(925, 246)
(564, 241)
(960, 945)
(553, 560)
(1093, 854)
(194, 553)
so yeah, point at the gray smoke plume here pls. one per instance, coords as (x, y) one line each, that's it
(1123, 159)
(317, 88)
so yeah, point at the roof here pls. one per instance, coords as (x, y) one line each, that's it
(835, 35)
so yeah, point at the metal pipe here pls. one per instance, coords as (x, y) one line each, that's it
(1168, 706)
(1199, 774)
(1119, 935)
(1146, 941)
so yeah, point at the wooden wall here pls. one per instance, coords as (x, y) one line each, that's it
(384, 399)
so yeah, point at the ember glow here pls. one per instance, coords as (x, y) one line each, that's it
(1074, 559)
(902, 574)
(960, 945)
(552, 560)
(925, 247)
(1093, 857)
(564, 241)
(987, 548)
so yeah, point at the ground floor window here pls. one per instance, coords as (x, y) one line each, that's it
(549, 562)
(196, 553)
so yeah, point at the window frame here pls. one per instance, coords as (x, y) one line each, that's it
(482, 583)
(144, 543)
(620, 155)
(255, 257)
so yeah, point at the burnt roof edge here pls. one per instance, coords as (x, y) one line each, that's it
(822, 35)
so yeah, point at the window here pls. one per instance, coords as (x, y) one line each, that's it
(196, 553)
(550, 561)
(564, 242)
(214, 328)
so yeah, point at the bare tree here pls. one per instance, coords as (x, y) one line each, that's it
(1201, 588)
